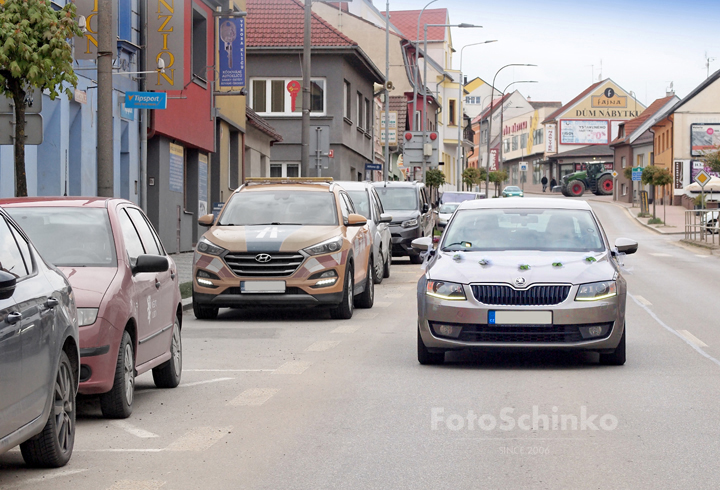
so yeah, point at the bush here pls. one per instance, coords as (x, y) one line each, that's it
(655, 221)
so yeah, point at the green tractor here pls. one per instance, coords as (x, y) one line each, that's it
(595, 178)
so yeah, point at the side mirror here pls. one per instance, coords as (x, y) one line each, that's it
(7, 284)
(356, 220)
(626, 246)
(425, 208)
(151, 263)
(423, 243)
(385, 218)
(206, 220)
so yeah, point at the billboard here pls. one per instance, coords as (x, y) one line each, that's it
(550, 138)
(583, 132)
(87, 44)
(703, 138)
(232, 52)
(166, 40)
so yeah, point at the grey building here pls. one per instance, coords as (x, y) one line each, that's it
(342, 89)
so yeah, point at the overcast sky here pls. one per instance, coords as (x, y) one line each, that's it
(643, 45)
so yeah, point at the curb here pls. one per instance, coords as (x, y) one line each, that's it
(187, 304)
(629, 212)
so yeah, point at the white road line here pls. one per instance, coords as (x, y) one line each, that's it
(199, 439)
(196, 383)
(228, 370)
(382, 304)
(703, 256)
(673, 331)
(692, 338)
(394, 295)
(365, 315)
(131, 429)
(642, 300)
(253, 397)
(347, 329)
(137, 485)
(322, 345)
(46, 476)
(292, 367)
(660, 255)
(119, 450)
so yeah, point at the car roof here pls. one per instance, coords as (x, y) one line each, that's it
(350, 185)
(68, 201)
(525, 203)
(394, 183)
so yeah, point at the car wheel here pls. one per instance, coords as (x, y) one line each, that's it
(617, 358)
(204, 312)
(53, 447)
(379, 269)
(167, 375)
(416, 259)
(117, 403)
(424, 356)
(367, 297)
(386, 267)
(605, 185)
(576, 188)
(344, 311)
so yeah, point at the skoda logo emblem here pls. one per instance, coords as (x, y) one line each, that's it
(263, 258)
(520, 281)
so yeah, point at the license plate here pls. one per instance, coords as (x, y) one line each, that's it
(262, 286)
(520, 317)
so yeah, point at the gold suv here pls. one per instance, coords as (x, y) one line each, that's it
(284, 242)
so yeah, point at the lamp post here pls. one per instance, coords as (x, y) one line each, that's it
(458, 165)
(489, 138)
(417, 68)
(387, 92)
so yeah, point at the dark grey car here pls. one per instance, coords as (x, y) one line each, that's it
(39, 356)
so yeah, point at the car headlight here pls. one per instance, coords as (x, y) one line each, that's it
(326, 247)
(207, 247)
(86, 316)
(445, 290)
(409, 223)
(596, 291)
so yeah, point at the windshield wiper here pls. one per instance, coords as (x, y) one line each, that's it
(465, 245)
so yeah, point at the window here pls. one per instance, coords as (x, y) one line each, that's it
(623, 162)
(344, 209)
(199, 45)
(640, 160)
(281, 207)
(452, 117)
(538, 137)
(133, 245)
(272, 97)
(506, 145)
(623, 187)
(514, 143)
(141, 225)
(360, 114)
(11, 260)
(348, 100)
(524, 140)
(361, 201)
(368, 115)
(284, 170)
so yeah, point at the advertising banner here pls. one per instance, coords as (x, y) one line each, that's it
(697, 167)
(166, 40)
(177, 162)
(579, 132)
(550, 138)
(202, 184)
(392, 136)
(703, 138)
(86, 45)
(232, 52)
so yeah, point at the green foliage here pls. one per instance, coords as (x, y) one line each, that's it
(34, 47)
(186, 289)
(648, 174)
(498, 176)
(472, 176)
(655, 221)
(434, 178)
(627, 172)
(712, 159)
(662, 177)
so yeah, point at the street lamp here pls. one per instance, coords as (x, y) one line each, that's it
(417, 67)
(489, 137)
(458, 165)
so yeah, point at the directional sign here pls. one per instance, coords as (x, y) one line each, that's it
(373, 166)
(637, 174)
(146, 100)
(702, 178)
(33, 129)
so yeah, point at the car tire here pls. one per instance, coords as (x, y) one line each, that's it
(53, 447)
(576, 188)
(379, 267)
(367, 297)
(344, 311)
(168, 374)
(204, 312)
(605, 185)
(424, 356)
(117, 403)
(388, 262)
(416, 259)
(617, 358)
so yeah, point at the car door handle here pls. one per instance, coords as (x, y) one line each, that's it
(51, 303)
(157, 284)
(172, 275)
(13, 318)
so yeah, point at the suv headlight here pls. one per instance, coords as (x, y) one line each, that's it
(207, 247)
(86, 316)
(596, 291)
(445, 290)
(326, 247)
(409, 223)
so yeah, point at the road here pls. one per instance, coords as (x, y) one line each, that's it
(294, 400)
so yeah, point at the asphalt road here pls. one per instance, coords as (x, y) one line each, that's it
(294, 400)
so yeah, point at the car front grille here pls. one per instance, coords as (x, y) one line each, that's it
(540, 295)
(287, 291)
(279, 265)
(523, 334)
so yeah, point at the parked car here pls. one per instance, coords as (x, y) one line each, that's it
(512, 191)
(285, 242)
(126, 289)
(367, 203)
(444, 213)
(409, 204)
(459, 196)
(523, 274)
(39, 353)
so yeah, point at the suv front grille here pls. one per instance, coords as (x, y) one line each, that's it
(280, 264)
(498, 294)
(520, 334)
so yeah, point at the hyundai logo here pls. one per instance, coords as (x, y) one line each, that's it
(520, 281)
(263, 258)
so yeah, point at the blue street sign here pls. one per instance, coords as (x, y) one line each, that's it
(637, 174)
(145, 100)
(232, 60)
(373, 166)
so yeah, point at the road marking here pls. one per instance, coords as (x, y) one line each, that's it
(131, 429)
(199, 439)
(228, 371)
(347, 329)
(46, 476)
(137, 485)
(703, 256)
(394, 295)
(119, 450)
(642, 300)
(692, 338)
(292, 367)
(365, 315)
(196, 383)
(322, 345)
(254, 397)
(382, 304)
(660, 255)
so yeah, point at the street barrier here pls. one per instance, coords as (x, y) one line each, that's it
(701, 225)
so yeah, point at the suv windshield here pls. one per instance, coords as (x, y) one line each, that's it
(458, 196)
(448, 208)
(523, 229)
(398, 198)
(361, 202)
(69, 237)
(280, 207)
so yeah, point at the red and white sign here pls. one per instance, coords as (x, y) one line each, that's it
(331, 153)
(550, 138)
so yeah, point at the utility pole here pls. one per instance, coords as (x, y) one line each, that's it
(307, 45)
(387, 92)
(144, 113)
(105, 140)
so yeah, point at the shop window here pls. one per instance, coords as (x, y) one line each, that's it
(523, 140)
(272, 97)
(514, 143)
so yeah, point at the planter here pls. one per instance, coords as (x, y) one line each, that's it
(711, 204)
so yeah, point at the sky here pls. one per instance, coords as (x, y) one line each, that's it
(642, 45)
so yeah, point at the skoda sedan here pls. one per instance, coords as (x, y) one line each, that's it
(523, 274)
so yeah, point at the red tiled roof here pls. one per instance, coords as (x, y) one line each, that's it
(495, 103)
(581, 96)
(280, 23)
(260, 123)
(407, 22)
(633, 124)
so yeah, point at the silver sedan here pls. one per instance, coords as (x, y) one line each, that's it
(523, 274)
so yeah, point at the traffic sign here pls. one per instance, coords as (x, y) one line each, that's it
(637, 174)
(373, 166)
(615, 174)
(146, 100)
(702, 178)
(523, 166)
(33, 129)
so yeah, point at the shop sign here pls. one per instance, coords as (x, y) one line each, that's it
(579, 132)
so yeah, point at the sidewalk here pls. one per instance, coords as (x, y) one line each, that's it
(184, 262)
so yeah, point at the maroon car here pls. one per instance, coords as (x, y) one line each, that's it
(126, 291)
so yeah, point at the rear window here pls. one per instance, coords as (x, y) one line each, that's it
(398, 198)
(280, 207)
(458, 196)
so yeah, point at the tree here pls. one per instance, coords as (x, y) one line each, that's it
(434, 178)
(34, 53)
(472, 176)
(627, 172)
(648, 178)
(662, 178)
(712, 159)
(498, 177)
